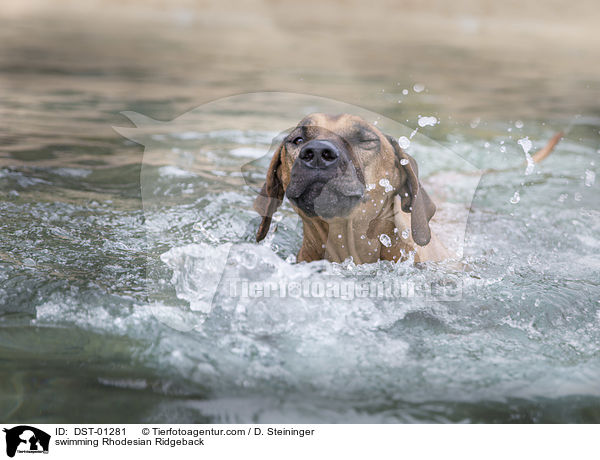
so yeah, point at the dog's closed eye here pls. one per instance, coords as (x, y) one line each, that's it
(363, 138)
(369, 144)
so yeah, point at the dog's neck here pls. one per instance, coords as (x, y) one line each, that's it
(366, 239)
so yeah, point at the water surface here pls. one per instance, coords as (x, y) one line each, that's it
(91, 223)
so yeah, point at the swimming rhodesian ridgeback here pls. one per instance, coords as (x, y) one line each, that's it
(357, 192)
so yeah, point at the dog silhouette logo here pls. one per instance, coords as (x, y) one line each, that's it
(26, 439)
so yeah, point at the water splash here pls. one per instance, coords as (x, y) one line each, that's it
(526, 145)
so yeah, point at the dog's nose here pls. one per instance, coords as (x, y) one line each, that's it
(319, 154)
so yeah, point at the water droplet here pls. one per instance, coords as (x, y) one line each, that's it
(590, 177)
(518, 124)
(385, 183)
(516, 198)
(385, 240)
(405, 234)
(418, 87)
(404, 161)
(525, 144)
(404, 142)
(427, 121)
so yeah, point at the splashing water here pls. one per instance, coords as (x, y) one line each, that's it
(526, 145)
(185, 318)
(404, 142)
(590, 177)
(427, 121)
(385, 240)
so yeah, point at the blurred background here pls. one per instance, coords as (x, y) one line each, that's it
(476, 59)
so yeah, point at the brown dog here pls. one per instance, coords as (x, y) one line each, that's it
(357, 192)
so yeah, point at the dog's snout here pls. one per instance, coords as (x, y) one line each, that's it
(319, 154)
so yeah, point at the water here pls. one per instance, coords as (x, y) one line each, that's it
(115, 259)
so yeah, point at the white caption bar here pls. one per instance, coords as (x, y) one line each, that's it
(26, 441)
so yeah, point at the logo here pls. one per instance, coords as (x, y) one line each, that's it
(26, 439)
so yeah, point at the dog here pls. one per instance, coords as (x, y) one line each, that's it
(357, 192)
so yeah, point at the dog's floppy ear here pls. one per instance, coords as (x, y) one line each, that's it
(271, 195)
(413, 196)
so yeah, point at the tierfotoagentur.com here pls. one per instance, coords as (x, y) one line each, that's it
(344, 289)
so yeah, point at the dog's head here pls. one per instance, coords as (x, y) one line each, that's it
(342, 167)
